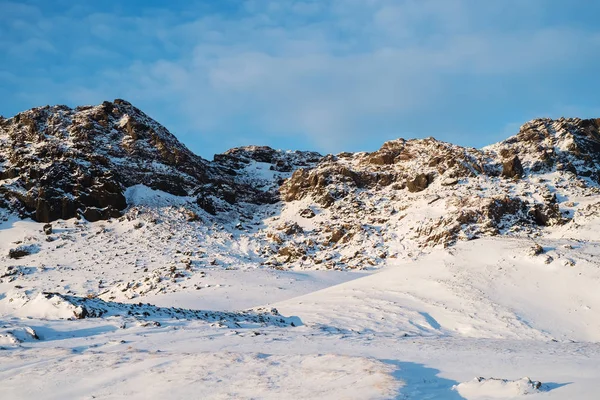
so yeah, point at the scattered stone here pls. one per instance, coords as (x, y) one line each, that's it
(291, 228)
(536, 250)
(80, 312)
(192, 216)
(449, 182)
(31, 332)
(569, 263)
(307, 213)
(22, 251)
(336, 235)
(9, 271)
(47, 229)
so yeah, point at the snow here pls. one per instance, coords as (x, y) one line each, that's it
(142, 195)
(187, 309)
(415, 329)
(140, 375)
(498, 388)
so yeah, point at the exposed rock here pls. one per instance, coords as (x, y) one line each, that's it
(567, 144)
(192, 216)
(207, 205)
(31, 332)
(291, 253)
(307, 213)
(512, 168)
(546, 214)
(83, 159)
(419, 183)
(290, 228)
(382, 158)
(58, 162)
(10, 270)
(47, 229)
(80, 312)
(93, 214)
(336, 235)
(536, 250)
(96, 153)
(22, 251)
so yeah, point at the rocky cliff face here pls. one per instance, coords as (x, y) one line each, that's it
(302, 209)
(544, 145)
(60, 163)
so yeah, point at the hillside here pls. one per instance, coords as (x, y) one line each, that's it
(401, 273)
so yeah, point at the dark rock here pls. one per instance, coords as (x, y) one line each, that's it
(546, 214)
(536, 250)
(47, 229)
(206, 204)
(419, 183)
(497, 208)
(23, 251)
(85, 158)
(512, 168)
(307, 213)
(93, 214)
(80, 312)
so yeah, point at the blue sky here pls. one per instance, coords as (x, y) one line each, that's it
(330, 75)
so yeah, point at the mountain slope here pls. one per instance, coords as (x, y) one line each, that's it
(59, 163)
(295, 209)
(402, 273)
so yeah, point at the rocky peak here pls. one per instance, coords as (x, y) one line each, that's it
(59, 162)
(565, 144)
(429, 154)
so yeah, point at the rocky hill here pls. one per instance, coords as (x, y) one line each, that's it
(291, 208)
(130, 266)
(60, 163)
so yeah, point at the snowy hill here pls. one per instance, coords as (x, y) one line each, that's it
(394, 274)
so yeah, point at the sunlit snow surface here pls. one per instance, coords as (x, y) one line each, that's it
(176, 312)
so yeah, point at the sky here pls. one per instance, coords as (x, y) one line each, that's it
(325, 75)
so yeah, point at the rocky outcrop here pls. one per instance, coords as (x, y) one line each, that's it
(419, 183)
(62, 163)
(512, 168)
(58, 162)
(566, 144)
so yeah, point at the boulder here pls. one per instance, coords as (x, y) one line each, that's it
(419, 183)
(307, 213)
(512, 168)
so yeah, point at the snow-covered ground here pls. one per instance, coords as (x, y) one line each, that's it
(423, 270)
(440, 326)
(155, 305)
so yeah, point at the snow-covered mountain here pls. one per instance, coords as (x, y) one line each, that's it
(298, 209)
(104, 210)
(60, 163)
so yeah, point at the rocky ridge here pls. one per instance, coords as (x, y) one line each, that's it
(296, 209)
(60, 163)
